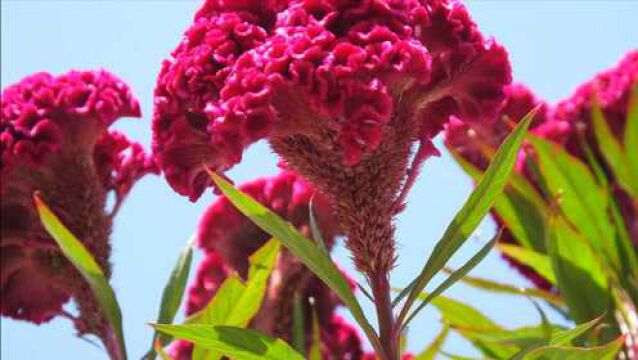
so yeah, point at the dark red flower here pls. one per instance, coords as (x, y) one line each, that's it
(342, 90)
(54, 139)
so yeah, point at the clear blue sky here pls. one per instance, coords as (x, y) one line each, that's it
(553, 46)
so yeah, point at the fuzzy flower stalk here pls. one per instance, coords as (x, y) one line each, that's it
(228, 238)
(54, 139)
(348, 93)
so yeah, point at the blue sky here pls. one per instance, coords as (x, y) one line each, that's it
(553, 45)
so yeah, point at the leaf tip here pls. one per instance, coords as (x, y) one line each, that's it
(37, 198)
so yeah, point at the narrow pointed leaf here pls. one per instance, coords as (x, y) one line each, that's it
(581, 279)
(604, 352)
(520, 207)
(315, 346)
(172, 296)
(548, 330)
(459, 315)
(84, 262)
(516, 338)
(455, 276)
(566, 337)
(612, 150)
(314, 227)
(261, 263)
(236, 343)
(435, 346)
(298, 325)
(235, 303)
(476, 207)
(537, 261)
(307, 251)
(502, 288)
(582, 201)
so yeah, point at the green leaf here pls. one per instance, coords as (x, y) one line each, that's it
(566, 337)
(502, 288)
(316, 233)
(538, 262)
(581, 200)
(84, 262)
(519, 206)
(472, 212)
(307, 251)
(612, 150)
(261, 263)
(455, 276)
(456, 357)
(315, 346)
(518, 338)
(435, 346)
(631, 135)
(234, 342)
(604, 352)
(298, 324)
(546, 326)
(235, 303)
(172, 296)
(467, 321)
(581, 279)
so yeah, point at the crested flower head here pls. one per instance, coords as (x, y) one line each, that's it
(331, 71)
(612, 90)
(342, 90)
(228, 239)
(54, 139)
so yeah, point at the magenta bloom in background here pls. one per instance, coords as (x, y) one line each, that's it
(54, 138)
(228, 238)
(564, 124)
(341, 90)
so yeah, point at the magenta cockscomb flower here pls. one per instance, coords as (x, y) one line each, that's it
(612, 89)
(228, 238)
(342, 90)
(54, 139)
(477, 142)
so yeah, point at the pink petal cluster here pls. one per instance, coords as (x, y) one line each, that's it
(343, 91)
(334, 71)
(562, 123)
(612, 89)
(228, 238)
(54, 138)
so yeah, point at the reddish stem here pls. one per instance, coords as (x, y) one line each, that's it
(112, 345)
(381, 293)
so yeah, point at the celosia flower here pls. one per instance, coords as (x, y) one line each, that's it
(565, 123)
(54, 139)
(341, 89)
(228, 239)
